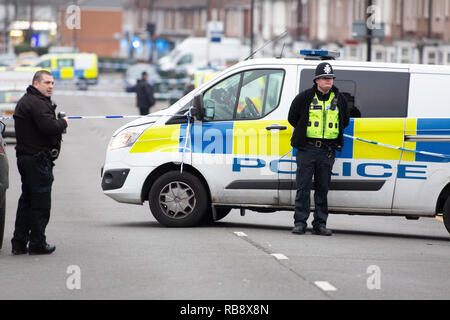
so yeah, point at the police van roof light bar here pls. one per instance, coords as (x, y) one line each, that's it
(313, 54)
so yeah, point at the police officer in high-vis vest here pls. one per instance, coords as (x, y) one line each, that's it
(319, 116)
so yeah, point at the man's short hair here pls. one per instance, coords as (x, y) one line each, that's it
(39, 75)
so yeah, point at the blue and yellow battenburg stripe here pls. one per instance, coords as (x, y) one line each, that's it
(252, 138)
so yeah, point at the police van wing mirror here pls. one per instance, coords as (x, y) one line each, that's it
(2, 127)
(197, 107)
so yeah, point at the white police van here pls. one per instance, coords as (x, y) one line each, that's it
(234, 152)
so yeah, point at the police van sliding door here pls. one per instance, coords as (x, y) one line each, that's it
(365, 172)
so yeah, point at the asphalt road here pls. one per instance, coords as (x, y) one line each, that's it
(108, 250)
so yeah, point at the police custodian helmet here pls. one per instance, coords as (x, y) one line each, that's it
(324, 70)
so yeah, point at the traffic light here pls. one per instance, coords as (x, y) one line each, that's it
(151, 28)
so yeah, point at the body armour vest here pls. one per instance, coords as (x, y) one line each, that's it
(323, 118)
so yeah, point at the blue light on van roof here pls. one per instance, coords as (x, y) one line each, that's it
(319, 53)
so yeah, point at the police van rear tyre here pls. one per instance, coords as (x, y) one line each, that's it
(178, 200)
(447, 214)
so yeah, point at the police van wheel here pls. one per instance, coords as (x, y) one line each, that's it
(178, 200)
(447, 214)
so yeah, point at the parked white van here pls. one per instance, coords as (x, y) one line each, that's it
(227, 144)
(194, 53)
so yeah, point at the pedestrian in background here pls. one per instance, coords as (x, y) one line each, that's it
(144, 95)
(39, 136)
(319, 116)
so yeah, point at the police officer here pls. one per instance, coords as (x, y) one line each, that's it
(38, 135)
(319, 116)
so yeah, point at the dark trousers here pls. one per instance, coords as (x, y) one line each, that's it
(317, 162)
(143, 111)
(33, 211)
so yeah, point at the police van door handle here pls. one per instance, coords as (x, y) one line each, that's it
(276, 126)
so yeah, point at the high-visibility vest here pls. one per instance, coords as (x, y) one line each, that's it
(323, 118)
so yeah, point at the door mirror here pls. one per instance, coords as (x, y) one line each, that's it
(2, 127)
(197, 107)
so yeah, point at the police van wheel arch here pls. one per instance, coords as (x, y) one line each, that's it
(222, 212)
(178, 199)
(447, 214)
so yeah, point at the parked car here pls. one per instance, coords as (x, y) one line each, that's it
(4, 181)
(8, 101)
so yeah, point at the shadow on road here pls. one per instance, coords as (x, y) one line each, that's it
(224, 224)
(335, 231)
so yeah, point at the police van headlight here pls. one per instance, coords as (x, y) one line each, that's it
(127, 137)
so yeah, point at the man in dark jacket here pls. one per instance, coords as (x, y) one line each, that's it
(144, 95)
(38, 135)
(319, 116)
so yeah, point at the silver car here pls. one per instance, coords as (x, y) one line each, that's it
(4, 181)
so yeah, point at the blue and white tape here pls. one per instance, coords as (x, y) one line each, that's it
(188, 115)
(432, 154)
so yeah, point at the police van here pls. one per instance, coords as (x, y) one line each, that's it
(227, 144)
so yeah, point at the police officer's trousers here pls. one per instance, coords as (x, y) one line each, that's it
(317, 162)
(33, 211)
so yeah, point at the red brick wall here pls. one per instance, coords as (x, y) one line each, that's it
(96, 34)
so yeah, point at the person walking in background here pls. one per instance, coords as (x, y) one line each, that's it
(144, 95)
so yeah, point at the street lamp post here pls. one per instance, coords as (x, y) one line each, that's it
(369, 34)
(252, 37)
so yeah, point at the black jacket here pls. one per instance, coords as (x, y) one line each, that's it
(144, 93)
(299, 116)
(37, 128)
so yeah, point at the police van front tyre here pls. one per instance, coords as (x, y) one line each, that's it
(178, 200)
(447, 214)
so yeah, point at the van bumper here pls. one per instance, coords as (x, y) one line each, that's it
(125, 184)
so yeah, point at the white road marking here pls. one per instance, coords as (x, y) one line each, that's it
(325, 286)
(279, 256)
(240, 234)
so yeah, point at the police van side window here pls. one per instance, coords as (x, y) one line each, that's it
(64, 63)
(369, 94)
(44, 64)
(260, 93)
(220, 100)
(244, 96)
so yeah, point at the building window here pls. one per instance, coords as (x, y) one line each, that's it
(437, 7)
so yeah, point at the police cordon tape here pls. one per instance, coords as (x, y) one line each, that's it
(188, 115)
(432, 154)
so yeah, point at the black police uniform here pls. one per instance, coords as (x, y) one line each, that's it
(38, 135)
(144, 97)
(315, 157)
